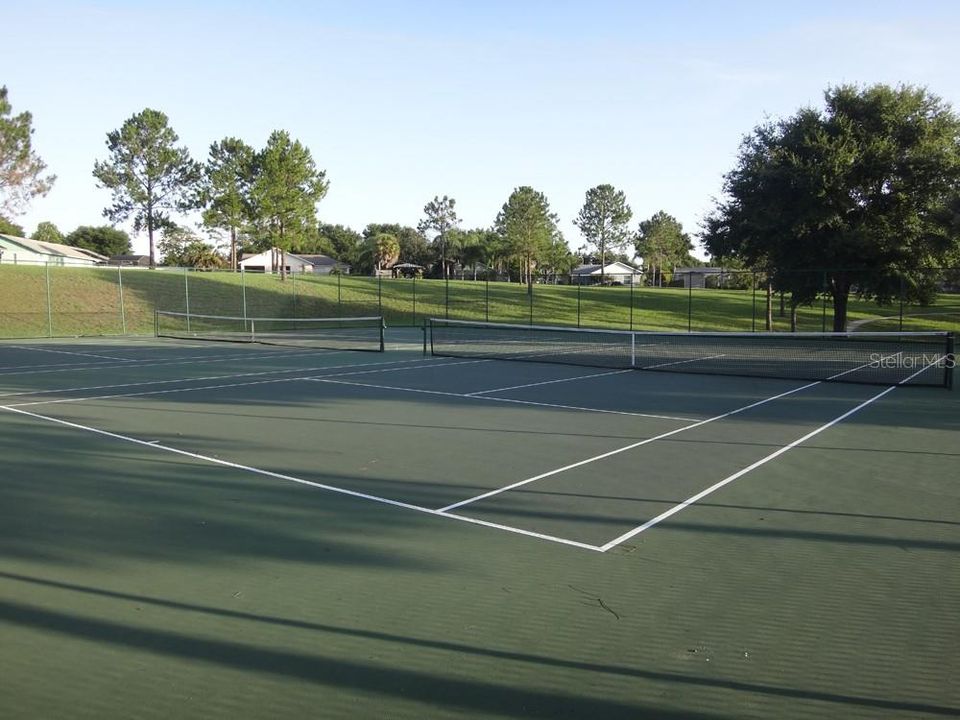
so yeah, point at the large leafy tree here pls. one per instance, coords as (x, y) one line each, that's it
(340, 242)
(414, 247)
(286, 189)
(527, 226)
(47, 232)
(226, 190)
(661, 242)
(603, 220)
(21, 169)
(149, 176)
(181, 247)
(383, 250)
(8, 227)
(440, 217)
(104, 239)
(857, 191)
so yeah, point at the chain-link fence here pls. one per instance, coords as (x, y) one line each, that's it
(56, 301)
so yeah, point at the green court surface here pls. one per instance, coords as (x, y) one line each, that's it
(203, 530)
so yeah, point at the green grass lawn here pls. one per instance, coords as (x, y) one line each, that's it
(37, 302)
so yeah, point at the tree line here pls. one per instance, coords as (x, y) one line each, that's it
(856, 198)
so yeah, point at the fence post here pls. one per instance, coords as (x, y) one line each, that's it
(49, 306)
(414, 300)
(380, 295)
(186, 294)
(243, 288)
(295, 297)
(823, 312)
(632, 278)
(753, 302)
(486, 300)
(530, 299)
(123, 317)
(446, 290)
(690, 302)
(339, 297)
(578, 301)
(901, 303)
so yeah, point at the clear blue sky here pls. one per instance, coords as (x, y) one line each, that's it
(401, 101)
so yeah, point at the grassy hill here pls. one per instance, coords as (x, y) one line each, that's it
(39, 302)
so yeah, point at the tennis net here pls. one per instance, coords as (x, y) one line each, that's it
(872, 358)
(351, 333)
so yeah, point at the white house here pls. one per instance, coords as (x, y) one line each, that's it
(17, 250)
(269, 261)
(615, 272)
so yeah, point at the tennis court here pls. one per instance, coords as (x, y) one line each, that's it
(200, 529)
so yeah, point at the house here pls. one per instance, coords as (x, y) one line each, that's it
(696, 277)
(17, 250)
(131, 260)
(269, 261)
(615, 272)
(325, 265)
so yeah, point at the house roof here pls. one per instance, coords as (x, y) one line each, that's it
(55, 249)
(315, 260)
(320, 260)
(617, 268)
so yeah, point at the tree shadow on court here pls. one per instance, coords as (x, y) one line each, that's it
(406, 683)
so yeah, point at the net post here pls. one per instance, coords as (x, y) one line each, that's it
(253, 329)
(949, 362)
(633, 350)
(425, 323)
(383, 331)
(423, 329)
(156, 323)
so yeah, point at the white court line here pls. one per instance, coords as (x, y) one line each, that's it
(497, 399)
(548, 382)
(205, 377)
(170, 391)
(617, 451)
(740, 473)
(31, 348)
(156, 445)
(189, 360)
(681, 362)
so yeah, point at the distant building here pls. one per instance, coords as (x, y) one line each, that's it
(269, 261)
(615, 272)
(131, 260)
(696, 277)
(17, 250)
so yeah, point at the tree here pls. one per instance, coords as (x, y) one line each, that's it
(104, 239)
(856, 191)
(148, 175)
(8, 227)
(661, 242)
(603, 220)
(440, 218)
(413, 245)
(47, 232)
(340, 242)
(21, 169)
(226, 192)
(286, 189)
(181, 247)
(527, 226)
(383, 251)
